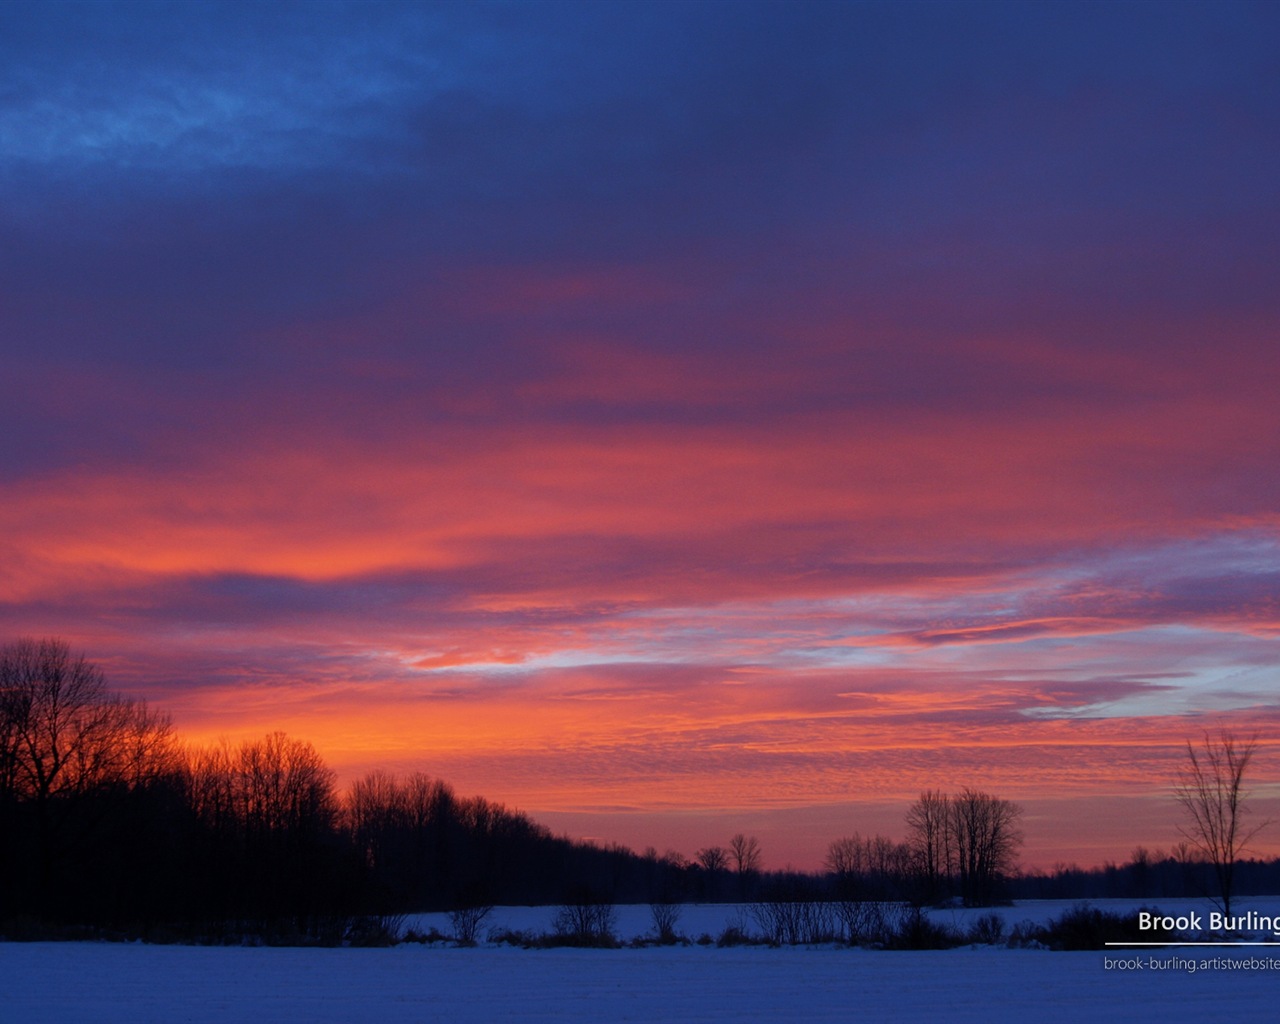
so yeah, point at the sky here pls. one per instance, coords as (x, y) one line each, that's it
(669, 420)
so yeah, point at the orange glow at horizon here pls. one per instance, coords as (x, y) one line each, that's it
(593, 753)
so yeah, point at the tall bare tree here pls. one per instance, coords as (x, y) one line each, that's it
(745, 851)
(985, 836)
(1211, 791)
(63, 732)
(713, 858)
(930, 837)
(971, 838)
(66, 742)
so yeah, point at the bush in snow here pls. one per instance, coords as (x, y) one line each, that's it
(987, 930)
(586, 920)
(1086, 927)
(917, 930)
(466, 923)
(665, 916)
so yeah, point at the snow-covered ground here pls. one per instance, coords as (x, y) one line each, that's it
(102, 983)
(699, 919)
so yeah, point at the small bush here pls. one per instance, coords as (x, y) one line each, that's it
(1026, 935)
(733, 936)
(513, 937)
(427, 938)
(917, 930)
(665, 916)
(988, 930)
(584, 924)
(1086, 927)
(466, 923)
(795, 921)
(865, 922)
(373, 930)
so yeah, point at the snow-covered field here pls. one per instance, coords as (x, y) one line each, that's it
(698, 919)
(101, 982)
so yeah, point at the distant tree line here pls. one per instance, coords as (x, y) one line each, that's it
(107, 820)
(1148, 875)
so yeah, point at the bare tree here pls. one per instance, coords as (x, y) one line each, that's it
(844, 857)
(62, 731)
(745, 851)
(66, 741)
(986, 839)
(284, 788)
(930, 838)
(713, 858)
(971, 837)
(1211, 790)
(866, 874)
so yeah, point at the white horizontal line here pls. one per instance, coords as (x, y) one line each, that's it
(1191, 944)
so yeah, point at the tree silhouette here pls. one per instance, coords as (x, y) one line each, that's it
(713, 858)
(971, 837)
(986, 840)
(744, 851)
(66, 744)
(929, 836)
(1211, 791)
(269, 812)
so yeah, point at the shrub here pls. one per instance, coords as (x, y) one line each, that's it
(1086, 927)
(427, 938)
(585, 924)
(916, 930)
(513, 937)
(466, 923)
(1026, 935)
(988, 930)
(794, 913)
(865, 921)
(665, 916)
(733, 935)
(374, 930)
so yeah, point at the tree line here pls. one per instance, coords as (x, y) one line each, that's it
(107, 819)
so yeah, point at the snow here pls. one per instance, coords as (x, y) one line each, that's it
(104, 983)
(696, 919)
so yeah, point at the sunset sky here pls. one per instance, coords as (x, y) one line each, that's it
(668, 420)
